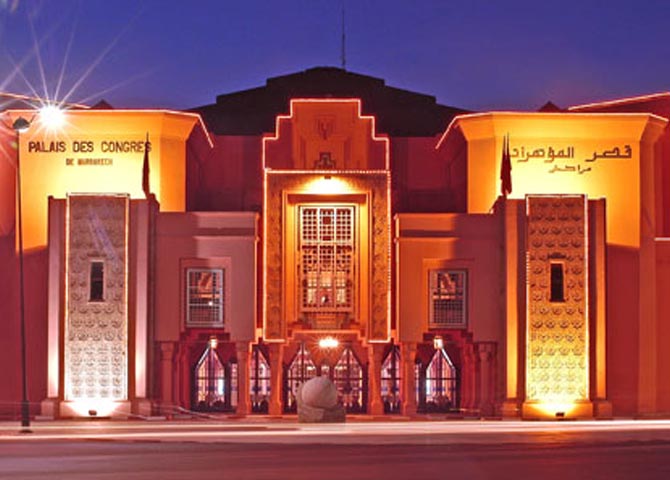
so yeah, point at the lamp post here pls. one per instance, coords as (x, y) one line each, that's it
(20, 126)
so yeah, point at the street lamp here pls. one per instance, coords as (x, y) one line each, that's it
(21, 125)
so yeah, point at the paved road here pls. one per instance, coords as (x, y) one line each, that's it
(388, 450)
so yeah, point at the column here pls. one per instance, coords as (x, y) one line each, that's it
(408, 359)
(276, 378)
(486, 353)
(375, 358)
(468, 374)
(243, 359)
(167, 370)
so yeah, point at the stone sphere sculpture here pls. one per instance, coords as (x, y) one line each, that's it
(317, 402)
(319, 392)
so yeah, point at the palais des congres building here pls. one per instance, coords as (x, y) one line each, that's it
(427, 259)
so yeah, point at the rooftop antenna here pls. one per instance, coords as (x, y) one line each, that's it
(343, 53)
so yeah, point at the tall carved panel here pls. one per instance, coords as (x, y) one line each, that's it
(557, 348)
(379, 239)
(96, 322)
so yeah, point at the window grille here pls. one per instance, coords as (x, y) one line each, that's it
(204, 297)
(348, 379)
(390, 384)
(326, 258)
(448, 290)
(260, 381)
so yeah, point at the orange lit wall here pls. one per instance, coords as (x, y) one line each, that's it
(610, 156)
(84, 157)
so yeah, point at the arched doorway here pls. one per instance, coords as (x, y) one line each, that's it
(299, 370)
(345, 370)
(437, 384)
(350, 380)
(215, 383)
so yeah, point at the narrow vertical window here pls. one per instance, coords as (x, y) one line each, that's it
(557, 284)
(96, 282)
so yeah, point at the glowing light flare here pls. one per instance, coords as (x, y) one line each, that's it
(327, 185)
(556, 409)
(94, 407)
(52, 117)
(329, 342)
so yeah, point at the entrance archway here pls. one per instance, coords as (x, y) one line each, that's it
(214, 383)
(437, 383)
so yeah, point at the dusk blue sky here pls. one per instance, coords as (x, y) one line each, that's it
(477, 54)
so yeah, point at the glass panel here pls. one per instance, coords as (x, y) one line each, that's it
(390, 384)
(301, 369)
(439, 385)
(348, 379)
(259, 376)
(210, 382)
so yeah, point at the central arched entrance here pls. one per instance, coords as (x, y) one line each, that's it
(342, 366)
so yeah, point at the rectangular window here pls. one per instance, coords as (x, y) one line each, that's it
(204, 297)
(326, 258)
(557, 284)
(448, 298)
(96, 282)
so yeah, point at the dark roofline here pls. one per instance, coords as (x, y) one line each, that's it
(399, 112)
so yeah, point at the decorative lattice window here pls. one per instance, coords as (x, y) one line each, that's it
(326, 258)
(448, 303)
(204, 297)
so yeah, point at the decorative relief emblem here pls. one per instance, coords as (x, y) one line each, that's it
(325, 125)
(325, 161)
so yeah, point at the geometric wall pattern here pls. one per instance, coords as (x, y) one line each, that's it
(557, 346)
(96, 321)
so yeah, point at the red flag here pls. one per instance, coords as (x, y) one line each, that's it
(506, 169)
(145, 168)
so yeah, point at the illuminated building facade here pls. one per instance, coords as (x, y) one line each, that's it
(327, 224)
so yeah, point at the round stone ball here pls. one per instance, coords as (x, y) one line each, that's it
(319, 392)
